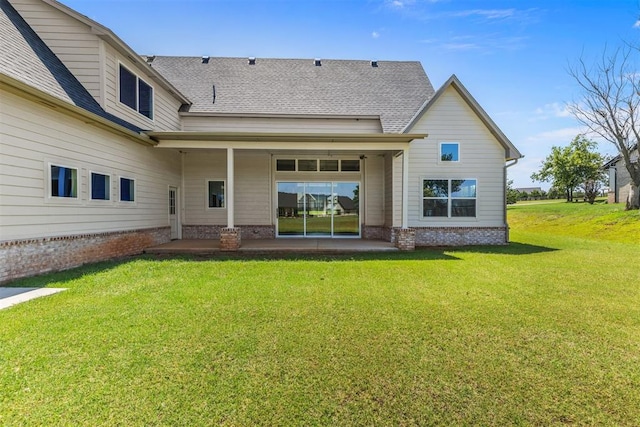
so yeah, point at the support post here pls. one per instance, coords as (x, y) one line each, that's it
(230, 235)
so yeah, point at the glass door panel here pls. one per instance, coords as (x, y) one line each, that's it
(319, 208)
(291, 208)
(346, 216)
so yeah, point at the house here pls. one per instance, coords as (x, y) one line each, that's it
(619, 178)
(106, 152)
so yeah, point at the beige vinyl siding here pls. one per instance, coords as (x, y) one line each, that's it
(33, 136)
(198, 167)
(165, 106)
(374, 191)
(252, 187)
(481, 158)
(277, 124)
(71, 40)
(397, 191)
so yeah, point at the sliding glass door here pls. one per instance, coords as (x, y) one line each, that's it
(318, 209)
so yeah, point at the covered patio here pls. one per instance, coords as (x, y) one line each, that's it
(212, 246)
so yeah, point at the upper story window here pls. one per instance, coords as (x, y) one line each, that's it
(449, 152)
(136, 93)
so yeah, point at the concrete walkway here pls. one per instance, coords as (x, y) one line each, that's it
(13, 296)
(276, 245)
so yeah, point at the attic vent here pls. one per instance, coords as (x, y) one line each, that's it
(214, 94)
(205, 59)
(374, 64)
(150, 59)
(317, 62)
(252, 60)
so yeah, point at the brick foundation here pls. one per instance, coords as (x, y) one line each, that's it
(375, 232)
(248, 232)
(405, 239)
(460, 236)
(23, 258)
(230, 239)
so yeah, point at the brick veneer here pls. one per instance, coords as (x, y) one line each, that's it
(248, 232)
(406, 239)
(230, 239)
(460, 236)
(22, 258)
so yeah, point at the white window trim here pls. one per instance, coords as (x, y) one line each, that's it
(317, 159)
(440, 152)
(90, 185)
(49, 198)
(136, 193)
(206, 193)
(137, 109)
(449, 199)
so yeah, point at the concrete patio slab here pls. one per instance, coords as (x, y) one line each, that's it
(13, 296)
(204, 247)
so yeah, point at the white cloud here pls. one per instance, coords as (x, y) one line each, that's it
(558, 136)
(487, 13)
(375, 34)
(552, 110)
(637, 24)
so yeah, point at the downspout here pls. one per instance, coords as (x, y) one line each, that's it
(506, 224)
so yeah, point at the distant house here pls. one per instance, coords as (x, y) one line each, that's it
(106, 152)
(529, 190)
(619, 178)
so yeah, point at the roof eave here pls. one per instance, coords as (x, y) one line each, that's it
(20, 88)
(286, 137)
(115, 41)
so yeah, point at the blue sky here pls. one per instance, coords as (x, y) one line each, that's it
(513, 56)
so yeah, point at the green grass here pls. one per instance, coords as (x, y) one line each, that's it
(545, 331)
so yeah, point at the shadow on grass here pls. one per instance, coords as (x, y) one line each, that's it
(420, 254)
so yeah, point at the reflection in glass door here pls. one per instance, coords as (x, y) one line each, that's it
(318, 209)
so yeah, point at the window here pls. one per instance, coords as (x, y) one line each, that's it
(127, 190)
(449, 198)
(286, 165)
(307, 165)
(100, 186)
(64, 182)
(215, 194)
(314, 165)
(328, 165)
(449, 152)
(350, 165)
(136, 93)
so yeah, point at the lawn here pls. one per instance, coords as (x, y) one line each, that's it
(543, 332)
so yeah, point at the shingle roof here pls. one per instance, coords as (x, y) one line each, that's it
(394, 90)
(25, 57)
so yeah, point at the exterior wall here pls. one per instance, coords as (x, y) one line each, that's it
(481, 158)
(165, 106)
(460, 236)
(275, 124)
(71, 40)
(252, 185)
(622, 184)
(35, 136)
(22, 258)
(374, 212)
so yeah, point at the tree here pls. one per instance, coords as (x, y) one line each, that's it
(571, 166)
(610, 107)
(512, 194)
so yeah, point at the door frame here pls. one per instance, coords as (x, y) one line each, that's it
(178, 228)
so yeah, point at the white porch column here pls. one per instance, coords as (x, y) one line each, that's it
(405, 188)
(230, 189)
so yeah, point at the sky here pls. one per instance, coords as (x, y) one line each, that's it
(513, 56)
